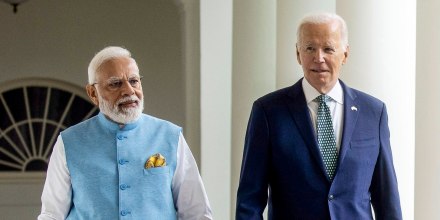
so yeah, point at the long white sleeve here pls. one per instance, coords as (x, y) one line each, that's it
(189, 193)
(57, 192)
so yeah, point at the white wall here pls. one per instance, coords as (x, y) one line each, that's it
(427, 186)
(215, 102)
(190, 11)
(254, 67)
(382, 38)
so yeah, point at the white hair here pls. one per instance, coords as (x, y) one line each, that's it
(324, 18)
(104, 55)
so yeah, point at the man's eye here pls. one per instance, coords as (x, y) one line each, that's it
(329, 50)
(115, 84)
(134, 81)
(310, 49)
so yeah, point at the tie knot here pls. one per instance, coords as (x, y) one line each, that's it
(323, 98)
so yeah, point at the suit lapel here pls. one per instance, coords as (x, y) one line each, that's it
(297, 105)
(351, 112)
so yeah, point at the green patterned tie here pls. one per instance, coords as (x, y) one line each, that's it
(326, 136)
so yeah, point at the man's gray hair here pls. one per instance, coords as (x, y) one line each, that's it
(104, 55)
(324, 18)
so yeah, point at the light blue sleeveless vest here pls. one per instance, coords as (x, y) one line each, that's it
(107, 169)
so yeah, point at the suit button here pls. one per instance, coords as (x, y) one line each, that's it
(120, 137)
(330, 197)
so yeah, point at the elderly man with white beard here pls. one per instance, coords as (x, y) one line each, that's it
(122, 164)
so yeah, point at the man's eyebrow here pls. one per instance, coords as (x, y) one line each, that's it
(113, 78)
(330, 43)
(308, 44)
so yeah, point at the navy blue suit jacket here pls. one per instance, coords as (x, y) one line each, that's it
(282, 165)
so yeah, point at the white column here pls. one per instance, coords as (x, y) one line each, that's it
(215, 102)
(254, 48)
(289, 13)
(191, 46)
(382, 63)
(427, 186)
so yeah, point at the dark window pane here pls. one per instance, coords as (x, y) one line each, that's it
(13, 135)
(58, 102)
(16, 105)
(37, 101)
(4, 118)
(37, 127)
(79, 109)
(26, 135)
(6, 162)
(50, 131)
(6, 168)
(36, 165)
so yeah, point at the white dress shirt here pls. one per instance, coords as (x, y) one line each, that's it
(189, 194)
(336, 106)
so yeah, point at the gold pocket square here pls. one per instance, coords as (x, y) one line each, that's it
(156, 160)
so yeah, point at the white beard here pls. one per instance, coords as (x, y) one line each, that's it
(121, 115)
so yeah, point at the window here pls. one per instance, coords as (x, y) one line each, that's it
(32, 114)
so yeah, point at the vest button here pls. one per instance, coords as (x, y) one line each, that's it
(125, 212)
(122, 161)
(124, 186)
(331, 197)
(120, 137)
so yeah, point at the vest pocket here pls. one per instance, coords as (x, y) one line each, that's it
(157, 170)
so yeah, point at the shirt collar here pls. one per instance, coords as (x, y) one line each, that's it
(113, 126)
(311, 93)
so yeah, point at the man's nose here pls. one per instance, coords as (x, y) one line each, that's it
(126, 88)
(319, 56)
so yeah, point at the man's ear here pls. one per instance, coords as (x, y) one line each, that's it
(347, 51)
(92, 93)
(297, 54)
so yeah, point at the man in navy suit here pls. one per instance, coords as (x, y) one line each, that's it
(283, 162)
